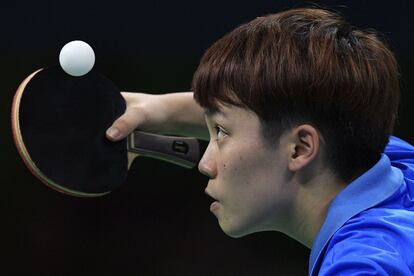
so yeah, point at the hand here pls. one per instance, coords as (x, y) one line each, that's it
(143, 111)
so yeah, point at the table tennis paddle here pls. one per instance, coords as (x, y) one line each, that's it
(59, 123)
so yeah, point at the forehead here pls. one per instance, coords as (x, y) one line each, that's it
(221, 111)
(231, 113)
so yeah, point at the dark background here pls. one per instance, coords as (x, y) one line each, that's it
(158, 223)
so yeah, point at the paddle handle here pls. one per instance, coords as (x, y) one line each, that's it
(182, 151)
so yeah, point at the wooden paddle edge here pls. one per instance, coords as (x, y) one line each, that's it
(25, 156)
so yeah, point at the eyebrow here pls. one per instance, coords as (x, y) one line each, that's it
(210, 112)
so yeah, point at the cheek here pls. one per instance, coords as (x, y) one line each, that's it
(249, 168)
(245, 181)
(252, 181)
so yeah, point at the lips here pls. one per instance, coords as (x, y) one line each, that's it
(209, 194)
(215, 205)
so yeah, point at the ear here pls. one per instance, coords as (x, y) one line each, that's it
(304, 146)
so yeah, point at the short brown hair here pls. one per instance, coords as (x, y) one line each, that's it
(308, 65)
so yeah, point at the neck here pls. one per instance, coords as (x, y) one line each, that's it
(311, 206)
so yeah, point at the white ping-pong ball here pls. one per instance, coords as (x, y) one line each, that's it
(77, 58)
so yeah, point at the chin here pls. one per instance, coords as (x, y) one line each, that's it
(235, 232)
(235, 235)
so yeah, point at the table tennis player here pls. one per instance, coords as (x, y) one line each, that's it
(299, 109)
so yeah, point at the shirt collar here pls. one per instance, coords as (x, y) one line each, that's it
(371, 188)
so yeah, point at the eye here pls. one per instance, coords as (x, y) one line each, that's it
(220, 133)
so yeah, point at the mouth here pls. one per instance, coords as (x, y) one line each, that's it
(215, 204)
(209, 194)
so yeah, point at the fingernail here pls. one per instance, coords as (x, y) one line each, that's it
(113, 132)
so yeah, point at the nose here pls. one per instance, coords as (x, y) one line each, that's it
(207, 165)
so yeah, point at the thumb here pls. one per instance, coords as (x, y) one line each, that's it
(122, 126)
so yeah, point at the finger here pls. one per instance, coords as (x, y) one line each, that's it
(128, 96)
(123, 126)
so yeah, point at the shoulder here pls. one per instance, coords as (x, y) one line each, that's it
(399, 150)
(371, 244)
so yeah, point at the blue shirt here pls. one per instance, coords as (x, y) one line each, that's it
(369, 227)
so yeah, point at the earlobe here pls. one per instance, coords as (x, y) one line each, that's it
(305, 146)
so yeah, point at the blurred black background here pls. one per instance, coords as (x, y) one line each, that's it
(158, 223)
